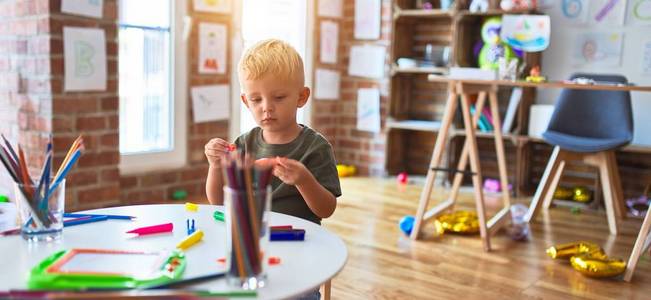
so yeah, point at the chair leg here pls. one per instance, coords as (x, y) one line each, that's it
(551, 189)
(326, 290)
(618, 194)
(545, 181)
(639, 247)
(607, 179)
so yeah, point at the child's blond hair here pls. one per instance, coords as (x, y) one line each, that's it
(271, 56)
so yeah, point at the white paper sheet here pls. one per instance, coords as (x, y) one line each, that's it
(212, 48)
(539, 117)
(367, 61)
(214, 6)
(607, 12)
(210, 103)
(327, 84)
(329, 42)
(85, 59)
(529, 33)
(639, 12)
(597, 49)
(367, 19)
(330, 8)
(88, 8)
(368, 109)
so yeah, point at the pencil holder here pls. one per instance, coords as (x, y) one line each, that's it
(40, 213)
(247, 232)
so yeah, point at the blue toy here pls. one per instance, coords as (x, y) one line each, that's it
(407, 224)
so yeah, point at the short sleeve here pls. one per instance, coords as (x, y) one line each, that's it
(323, 166)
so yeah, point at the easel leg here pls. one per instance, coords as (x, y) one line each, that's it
(499, 148)
(543, 186)
(441, 139)
(475, 167)
(639, 247)
(463, 159)
(326, 290)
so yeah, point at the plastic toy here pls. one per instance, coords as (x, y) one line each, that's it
(519, 230)
(478, 6)
(493, 48)
(105, 269)
(534, 75)
(403, 178)
(407, 224)
(345, 171)
(493, 185)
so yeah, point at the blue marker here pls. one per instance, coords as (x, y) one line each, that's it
(287, 235)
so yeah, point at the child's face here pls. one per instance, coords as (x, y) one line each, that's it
(273, 101)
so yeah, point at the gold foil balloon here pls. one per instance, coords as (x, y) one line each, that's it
(465, 222)
(563, 193)
(568, 250)
(582, 194)
(597, 267)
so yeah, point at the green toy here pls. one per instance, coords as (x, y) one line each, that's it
(493, 48)
(82, 269)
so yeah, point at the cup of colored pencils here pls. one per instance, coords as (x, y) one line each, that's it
(40, 200)
(247, 199)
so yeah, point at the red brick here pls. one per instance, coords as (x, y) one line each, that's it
(194, 174)
(110, 140)
(110, 175)
(82, 178)
(91, 123)
(98, 194)
(127, 182)
(99, 159)
(110, 103)
(66, 105)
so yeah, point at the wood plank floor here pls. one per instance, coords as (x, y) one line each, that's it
(383, 263)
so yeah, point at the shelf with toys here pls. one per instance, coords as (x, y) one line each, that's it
(430, 37)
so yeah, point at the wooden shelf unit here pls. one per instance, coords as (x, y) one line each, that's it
(414, 101)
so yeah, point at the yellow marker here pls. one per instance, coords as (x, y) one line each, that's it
(191, 206)
(190, 240)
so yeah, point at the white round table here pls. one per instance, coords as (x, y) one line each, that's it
(305, 265)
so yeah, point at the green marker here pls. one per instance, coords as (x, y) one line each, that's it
(219, 216)
(4, 198)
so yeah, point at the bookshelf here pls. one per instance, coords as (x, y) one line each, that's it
(416, 104)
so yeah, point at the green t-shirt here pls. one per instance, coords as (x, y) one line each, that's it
(311, 149)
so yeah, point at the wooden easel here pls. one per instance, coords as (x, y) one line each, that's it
(469, 152)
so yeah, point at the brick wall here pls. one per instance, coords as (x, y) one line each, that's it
(26, 79)
(338, 119)
(33, 104)
(157, 187)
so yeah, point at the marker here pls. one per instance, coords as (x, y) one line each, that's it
(219, 216)
(84, 220)
(189, 206)
(110, 217)
(282, 227)
(287, 235)
(190, 240)
(167, 227)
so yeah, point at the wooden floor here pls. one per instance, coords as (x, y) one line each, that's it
(383, 263)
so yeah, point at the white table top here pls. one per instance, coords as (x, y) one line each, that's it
(304, 265)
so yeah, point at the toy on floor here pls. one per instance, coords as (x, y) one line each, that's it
(463, 222)
(345, 170)
(403, 178)
(582, 194)
(519, 230)
(639, 206)
(407, 224)
(494, 186)
(588, 259)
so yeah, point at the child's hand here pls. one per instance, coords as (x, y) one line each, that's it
(290, 171)
(215, 150)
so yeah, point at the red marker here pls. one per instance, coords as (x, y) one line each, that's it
(232, 147)
(168, 227)
(282, 227)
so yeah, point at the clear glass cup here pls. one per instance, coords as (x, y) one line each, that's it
(247, 236)
(41, 219)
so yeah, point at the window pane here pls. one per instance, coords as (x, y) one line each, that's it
(282, 19)
(149, 13)
(144, 82)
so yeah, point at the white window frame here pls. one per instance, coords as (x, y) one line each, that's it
(157, 161)
(237, 49)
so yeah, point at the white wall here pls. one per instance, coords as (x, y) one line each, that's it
(557, 60)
